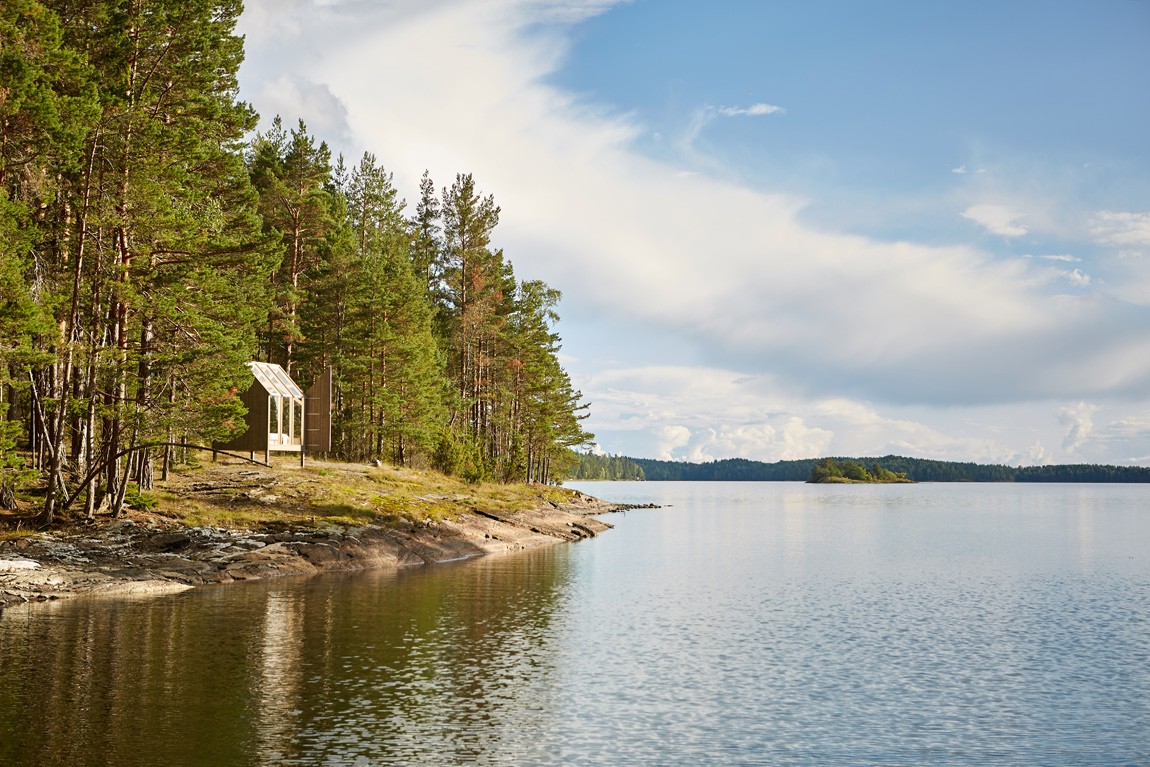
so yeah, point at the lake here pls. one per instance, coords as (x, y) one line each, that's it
(741, 624)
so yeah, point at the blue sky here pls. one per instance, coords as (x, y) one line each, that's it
(783, 229)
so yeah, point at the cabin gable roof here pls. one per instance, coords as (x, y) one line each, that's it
(275, 380)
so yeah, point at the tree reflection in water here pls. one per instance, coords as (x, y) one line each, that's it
(436, 664)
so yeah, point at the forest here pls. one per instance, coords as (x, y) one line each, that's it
(914, 469)
(152, 243)
(828, 470)
(590, 466)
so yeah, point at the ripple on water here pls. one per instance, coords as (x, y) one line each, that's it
(768, 626)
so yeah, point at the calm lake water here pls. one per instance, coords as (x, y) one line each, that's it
(742, 624)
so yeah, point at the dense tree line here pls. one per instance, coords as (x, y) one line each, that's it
(829, 470)
(605, 467)
(148, 249)
(923, 470)
(1083, 473)
(728, 469)
(915, 469)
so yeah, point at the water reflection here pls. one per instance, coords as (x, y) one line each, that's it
(794, 531)
(744, 625)
(276, 684)
(87, 683)
(1086, 542)
(366, 668)
(436, 664)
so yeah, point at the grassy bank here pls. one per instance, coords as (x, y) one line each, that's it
(239, 495)
(233, 520)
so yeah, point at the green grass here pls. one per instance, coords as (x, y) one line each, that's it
(238, 495)
(16, 533)
(340, 494)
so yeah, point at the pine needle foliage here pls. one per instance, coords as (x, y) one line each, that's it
(151, 244)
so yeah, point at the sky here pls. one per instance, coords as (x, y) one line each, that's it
(783, 229)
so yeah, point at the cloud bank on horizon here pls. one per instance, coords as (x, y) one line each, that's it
(744, 272)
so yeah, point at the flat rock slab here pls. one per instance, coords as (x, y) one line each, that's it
(125, 558)
(15, 565)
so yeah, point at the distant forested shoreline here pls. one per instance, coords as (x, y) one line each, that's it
(596, 467)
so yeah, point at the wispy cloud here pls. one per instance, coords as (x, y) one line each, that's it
(572, 11)
(755, 110)
(712, 269)
(1126, 438)
(1079, 420)
(996, 219)
(1121, 229)
(1077, 277)
(735, 270)
(705, 115)
(291, 95)
(705, 413)
(791, 440)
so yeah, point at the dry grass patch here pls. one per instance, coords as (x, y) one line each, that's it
(235, 494)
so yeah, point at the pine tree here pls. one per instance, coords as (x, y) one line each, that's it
(291, 173)
(47, 105)
(388, 369)
(546, 410)
(157, 256)
(469, 290)
(21, 321)
(426, 239)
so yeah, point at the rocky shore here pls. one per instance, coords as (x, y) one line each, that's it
(149, 555)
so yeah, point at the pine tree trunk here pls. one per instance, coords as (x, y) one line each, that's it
(7, 496)
(145, 476)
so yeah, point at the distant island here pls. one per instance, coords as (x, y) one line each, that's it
(615, 467)
(829, 471)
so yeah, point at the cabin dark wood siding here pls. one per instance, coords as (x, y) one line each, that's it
(255, 399)
(317, 414)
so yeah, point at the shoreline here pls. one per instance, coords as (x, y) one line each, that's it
(126, 557)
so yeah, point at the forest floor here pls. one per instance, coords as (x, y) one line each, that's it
(232, 520)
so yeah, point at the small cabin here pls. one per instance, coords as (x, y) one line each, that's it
(281, 417)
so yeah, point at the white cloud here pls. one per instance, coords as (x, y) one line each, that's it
(1133, 424)
(714, 270)
(1079, 420)
(715, 414)
(792, 440)
(755, 110)
(671, 438)
(719, 413)
(1075, 277)
(959, 171)
(1121, 229)
(1129, 277)
(290, 96)
(1037, 455)
(269, 22)
(704, 116)
(1125, 439)
(996, 219)
(667, 241)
